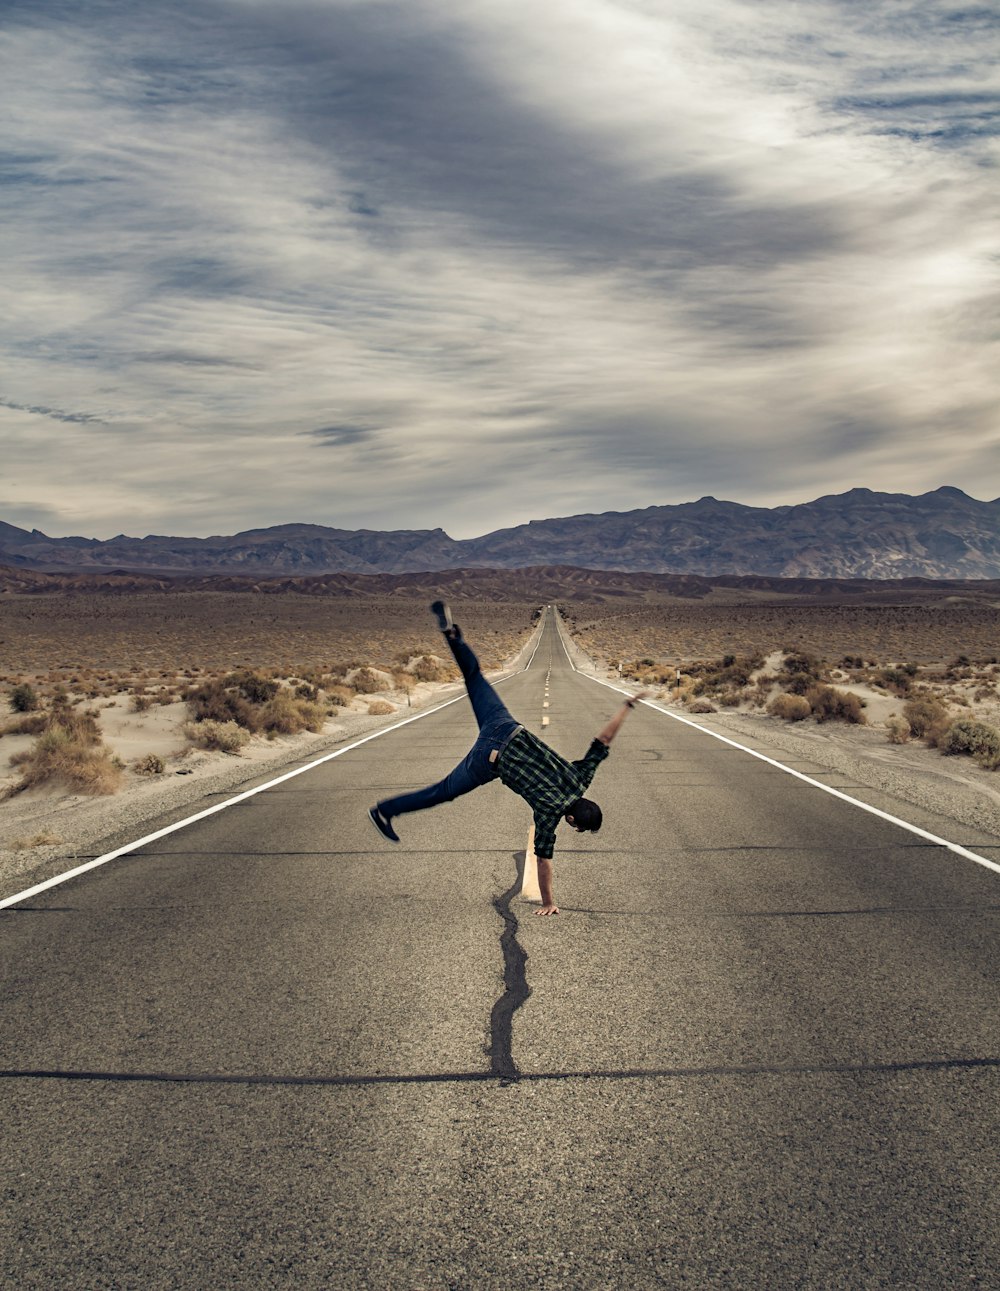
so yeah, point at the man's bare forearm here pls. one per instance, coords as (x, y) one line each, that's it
(545, 886)
(612, 728)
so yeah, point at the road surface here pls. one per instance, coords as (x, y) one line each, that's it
(761, 1046)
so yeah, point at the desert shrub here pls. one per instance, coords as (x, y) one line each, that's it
(305, 690)
(57, 754)
(339, 696)
(44, 839)
(28, 724)
(213, 702)
(429, 668)
(367, 682)
(800, 673)
(23, 698)
(78, 725)
(793, 708)
(252, 686)
(141, 703)
(379, 708)
(925, 713)
(897, 680)
(285, 715)
(897, 728)
(728, 674)
(830, 705)
(977, 739)
(150, 764)
(701, 706)
(226, 737)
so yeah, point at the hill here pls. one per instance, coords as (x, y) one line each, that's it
(944, 534)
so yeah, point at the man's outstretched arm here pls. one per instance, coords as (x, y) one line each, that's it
(545, 887)
(611, 730)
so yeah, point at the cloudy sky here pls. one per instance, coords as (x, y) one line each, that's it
(409, 263)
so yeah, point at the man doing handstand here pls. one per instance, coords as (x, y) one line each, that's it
(504, 750)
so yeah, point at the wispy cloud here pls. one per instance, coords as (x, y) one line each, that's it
(408, 264)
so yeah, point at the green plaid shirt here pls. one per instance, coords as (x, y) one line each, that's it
(546, 781)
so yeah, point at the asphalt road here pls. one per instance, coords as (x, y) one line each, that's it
(761, 1046)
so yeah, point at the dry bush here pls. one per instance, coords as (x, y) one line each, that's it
(29, 724)
(977, 739)
(701, 706)
(213, 702)
(339, 696)
(44, 839)
(150, 764)
(23, 698)
(897, 729)
(830, 705)
(252, 686)
(800, 673)
(284, 714)
(926, 716)
(141, 703)
(379, 708)
(430, 668)
(58, 754)
(793, 708)
(226, 737)
(368, 682)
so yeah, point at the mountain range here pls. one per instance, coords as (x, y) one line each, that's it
(859, 534)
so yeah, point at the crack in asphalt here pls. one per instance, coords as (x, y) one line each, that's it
(748, 1070)
(516, 988)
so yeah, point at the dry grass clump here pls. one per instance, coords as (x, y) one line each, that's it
(369, 681)
(223, 737)
(829, 705)
(430, 668)
(149, 765)
(793, 708)
(68, 750)
(978, 740)
(338, 695)
(29, 724)
(255, 704)
(23, 698)
(927, 717)
(284, 714)
(379, 708)
(43, 839)
(897, 729)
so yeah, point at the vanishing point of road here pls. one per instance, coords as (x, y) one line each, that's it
(759, 1047)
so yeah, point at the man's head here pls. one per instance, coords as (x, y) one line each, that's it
(585, 816)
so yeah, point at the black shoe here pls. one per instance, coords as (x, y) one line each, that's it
(443, 615)
(383, 824)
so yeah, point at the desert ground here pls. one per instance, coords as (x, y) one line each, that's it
(133, 665)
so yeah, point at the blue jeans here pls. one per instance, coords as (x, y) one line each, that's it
(495, 727)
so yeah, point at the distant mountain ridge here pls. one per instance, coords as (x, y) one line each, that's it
(944, 534)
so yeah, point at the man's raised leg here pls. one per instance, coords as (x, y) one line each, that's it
(486, 703)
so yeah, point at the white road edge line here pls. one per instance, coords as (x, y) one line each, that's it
(18, 897)
(957, 848)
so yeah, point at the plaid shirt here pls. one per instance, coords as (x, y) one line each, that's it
(546, 781)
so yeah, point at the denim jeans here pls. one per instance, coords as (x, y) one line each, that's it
(495, 727)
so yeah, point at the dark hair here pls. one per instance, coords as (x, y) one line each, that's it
(586, 814)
